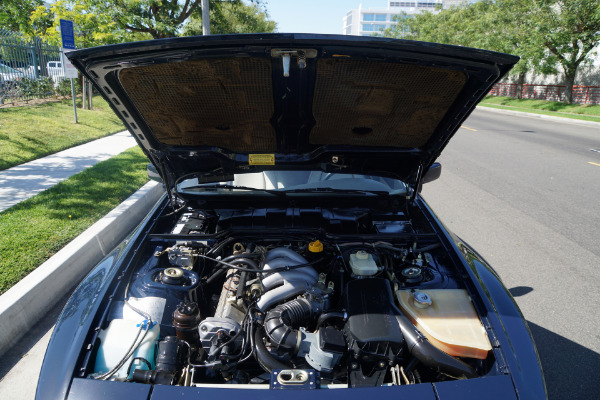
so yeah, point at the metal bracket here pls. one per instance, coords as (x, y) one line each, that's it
(286, 56)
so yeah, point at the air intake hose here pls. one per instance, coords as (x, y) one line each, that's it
(264, 358)
(282, 323)
(420, 348)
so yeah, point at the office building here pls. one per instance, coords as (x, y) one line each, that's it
(369, 21)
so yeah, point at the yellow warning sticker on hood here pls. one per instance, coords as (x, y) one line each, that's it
(261, 159)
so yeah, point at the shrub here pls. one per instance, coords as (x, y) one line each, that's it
(41, 87)
(44, 87)
(63, 87)
(28, 87)
(9, 90)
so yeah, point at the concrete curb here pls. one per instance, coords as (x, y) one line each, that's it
(23, 305)
(541, 116)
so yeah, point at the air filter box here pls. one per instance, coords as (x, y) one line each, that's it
(372, 331)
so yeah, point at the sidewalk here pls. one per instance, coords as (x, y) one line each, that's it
(20, 366)
(541, 116)
(26, 180)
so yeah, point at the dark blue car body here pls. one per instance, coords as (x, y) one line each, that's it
(316, 210)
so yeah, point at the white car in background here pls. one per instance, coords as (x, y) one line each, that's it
(54, 70)
(9, 74)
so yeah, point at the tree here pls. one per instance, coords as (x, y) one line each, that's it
(501, 26)
(542, 32)
(14, 14)
(91, 28)
(570, 30)
(486, 24)
(168, 18)
(95, 26)
(158, 18)
(233, 17)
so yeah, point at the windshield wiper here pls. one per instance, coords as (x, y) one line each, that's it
(335, 190)
(219, 186)
(283, 193)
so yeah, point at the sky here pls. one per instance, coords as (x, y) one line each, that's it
(314, 16)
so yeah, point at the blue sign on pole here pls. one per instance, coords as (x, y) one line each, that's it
(68, 42)
(67, 34)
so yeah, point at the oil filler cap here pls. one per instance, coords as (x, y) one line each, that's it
(315, 247)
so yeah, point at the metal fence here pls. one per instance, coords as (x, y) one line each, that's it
(581, 94)
(28, 68)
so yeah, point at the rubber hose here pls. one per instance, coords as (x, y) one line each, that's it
(215, 276)
(281, 323)
(281, 263)
(220, 245)
(241, 285)
(262, 355)
(243, 260)
(334, 314)
(242, 255)
(420, 348)
(234, 261)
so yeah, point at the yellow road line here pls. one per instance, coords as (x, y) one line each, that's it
(471, 129)
(593, 163)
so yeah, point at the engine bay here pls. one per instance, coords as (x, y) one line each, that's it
(290, 298)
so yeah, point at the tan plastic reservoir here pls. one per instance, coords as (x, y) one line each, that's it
(448, 319)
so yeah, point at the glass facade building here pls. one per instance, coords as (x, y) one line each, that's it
(372, 21)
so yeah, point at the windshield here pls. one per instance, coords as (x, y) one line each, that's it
(303, 180)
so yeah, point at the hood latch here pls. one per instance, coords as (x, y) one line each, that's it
(286, 57)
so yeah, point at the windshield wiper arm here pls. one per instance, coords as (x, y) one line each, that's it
(218, 186)
(335, 190)
(283, 193)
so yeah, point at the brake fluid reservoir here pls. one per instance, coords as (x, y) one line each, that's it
(448, 319)
(115, 342)
(363, 264)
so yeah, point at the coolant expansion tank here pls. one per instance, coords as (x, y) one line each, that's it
(448, 319)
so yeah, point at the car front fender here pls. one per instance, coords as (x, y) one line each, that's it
(75, 326)
(509, 333)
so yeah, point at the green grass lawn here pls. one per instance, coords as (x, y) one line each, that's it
(34, 131)
(575, 111)
(37, 228)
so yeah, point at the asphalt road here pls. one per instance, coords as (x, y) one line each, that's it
(525, 193)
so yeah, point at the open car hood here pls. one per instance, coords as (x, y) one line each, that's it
(213, 106)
